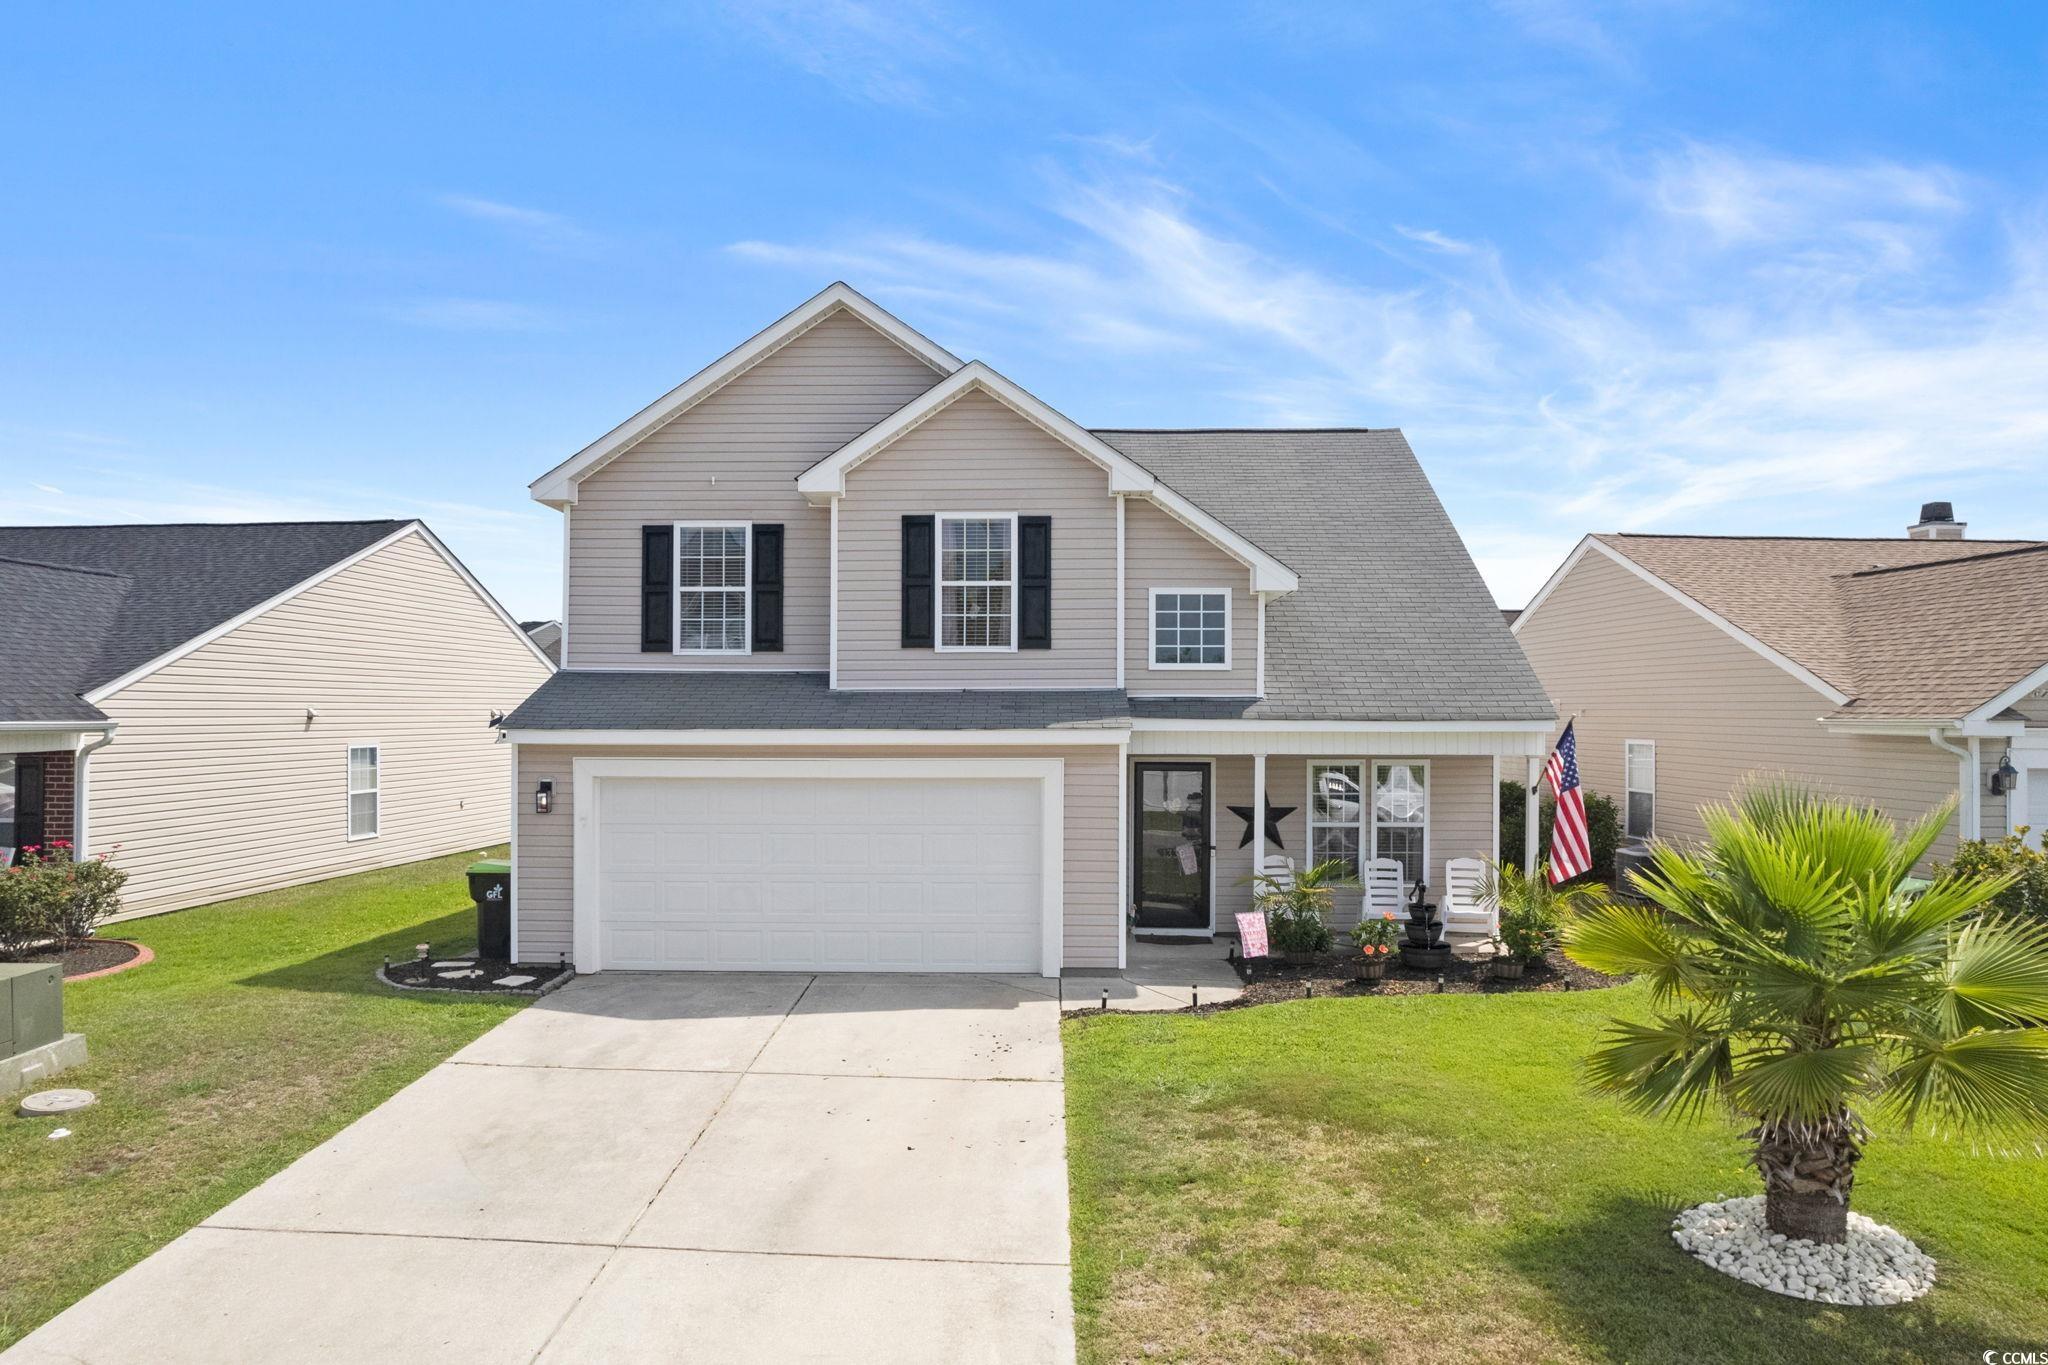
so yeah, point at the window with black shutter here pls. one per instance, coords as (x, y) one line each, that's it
(917, 582)
(1034, 582)
(657, 589)
(767, 588)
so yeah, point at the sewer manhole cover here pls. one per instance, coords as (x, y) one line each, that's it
(44, 1103)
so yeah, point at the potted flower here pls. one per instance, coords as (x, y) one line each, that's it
(1532, 912)
(1297, 908)
(1375, 939)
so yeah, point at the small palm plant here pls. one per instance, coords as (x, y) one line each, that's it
(1532, 911)
(1297, 905)
(1796, 982)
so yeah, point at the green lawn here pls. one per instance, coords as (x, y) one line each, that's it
(1422, 1179)
(256, 1034)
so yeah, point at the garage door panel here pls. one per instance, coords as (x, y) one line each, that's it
(855, 874)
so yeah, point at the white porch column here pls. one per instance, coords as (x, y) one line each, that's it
(1531, 818)
(1258, 811)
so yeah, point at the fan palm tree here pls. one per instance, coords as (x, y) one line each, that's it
(1797, 982)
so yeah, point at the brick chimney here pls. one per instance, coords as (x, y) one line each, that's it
(1937, 522)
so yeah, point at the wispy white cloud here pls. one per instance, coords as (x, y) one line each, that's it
(1761, 341)
(534, 227)
(879, 51)
(468, 315)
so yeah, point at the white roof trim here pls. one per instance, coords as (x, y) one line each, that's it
(821, 739)
(206, 637)
(826, 480)
(557, 487)
(1391, 727)
(1722, 623)
(2026, 686)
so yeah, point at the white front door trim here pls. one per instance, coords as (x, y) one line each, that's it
(1050, 773)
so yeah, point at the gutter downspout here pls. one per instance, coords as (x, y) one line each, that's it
(1970, 825)
(81, 794)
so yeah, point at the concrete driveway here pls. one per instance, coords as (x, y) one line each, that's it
(656, 1168)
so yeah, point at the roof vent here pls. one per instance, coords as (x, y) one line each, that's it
(1937, 522)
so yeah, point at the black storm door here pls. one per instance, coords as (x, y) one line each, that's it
(1173, 847)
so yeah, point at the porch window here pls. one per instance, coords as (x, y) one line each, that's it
(1336, 813)
(1400, 817)
(713, 578)
(363, 793)
(1639, 777)
(977, 582)
(1190, 628)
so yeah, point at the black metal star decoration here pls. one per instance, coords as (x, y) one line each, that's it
(1274, 815)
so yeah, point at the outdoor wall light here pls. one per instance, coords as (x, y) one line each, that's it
(2005, 777)
(544, 796)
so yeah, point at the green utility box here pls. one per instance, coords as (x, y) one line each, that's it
(31, 1005)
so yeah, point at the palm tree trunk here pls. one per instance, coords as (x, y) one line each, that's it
(1808, 1169)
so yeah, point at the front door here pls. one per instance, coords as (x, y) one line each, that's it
(1170, 857)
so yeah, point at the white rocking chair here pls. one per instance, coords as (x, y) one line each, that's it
(1382, 878)
(1469, 905)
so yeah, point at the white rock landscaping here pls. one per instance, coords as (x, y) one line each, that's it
(1876, 1266)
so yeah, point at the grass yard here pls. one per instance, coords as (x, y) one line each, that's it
(1421, 1179)
(256, 1034)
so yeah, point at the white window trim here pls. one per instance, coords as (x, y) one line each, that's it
(349, 792)
(1152, 663)
(586, 773)
(1627, 746)
(1368, 818)
(675, 569)
(939, 520)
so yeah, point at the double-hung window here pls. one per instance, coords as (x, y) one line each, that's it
(714, 578)
(1190, 628)
(1336, 813)
(363, 784)
(977, 582)
(1400, 817)
(1639, 778)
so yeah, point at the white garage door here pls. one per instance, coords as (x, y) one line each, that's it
(819, 874)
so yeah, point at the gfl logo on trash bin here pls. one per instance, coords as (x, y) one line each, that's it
(495, 893)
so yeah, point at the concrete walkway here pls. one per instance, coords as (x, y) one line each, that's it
(656, 1168)
(1159, 976)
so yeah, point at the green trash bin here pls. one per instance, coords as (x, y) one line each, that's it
(490, 886)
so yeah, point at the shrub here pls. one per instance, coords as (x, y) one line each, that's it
(1603, 825)
(1375, 937)
(26, 918)
(1532, 911)
(48, 895)
(1980, 858)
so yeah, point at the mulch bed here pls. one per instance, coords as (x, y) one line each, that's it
(423, 973)
(91, 957)
(1268, 979)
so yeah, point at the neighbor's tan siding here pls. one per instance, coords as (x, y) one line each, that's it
(218, 785)
(544, 889)
(1634, 664)
(753, 436)
(977, 456)
(1160, 552)
(1460, 820)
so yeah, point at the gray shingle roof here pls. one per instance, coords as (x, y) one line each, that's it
(81, 605)
(794, 701)
(1392, 620)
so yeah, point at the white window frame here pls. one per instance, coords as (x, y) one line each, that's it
(1628, 747)
(1364, 824)
(349, 792)
(1152, 629)
(939, 584)
(676, 596)
(1428, 812)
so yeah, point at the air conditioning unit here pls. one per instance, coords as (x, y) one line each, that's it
(1631, 856)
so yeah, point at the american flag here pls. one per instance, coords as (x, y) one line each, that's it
(1571, 848)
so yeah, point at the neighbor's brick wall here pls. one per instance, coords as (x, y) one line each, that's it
(60, 772)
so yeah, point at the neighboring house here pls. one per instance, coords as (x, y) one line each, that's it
(873, 661)
(1897, 671)
(240, 707)
(546, 634)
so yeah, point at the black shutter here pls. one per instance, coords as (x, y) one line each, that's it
(1034, 582)
(917, 583)
(657, 589)
(767, 606)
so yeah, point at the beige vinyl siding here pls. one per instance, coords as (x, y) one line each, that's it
(753, 437)
(218, 785)
(977, 456)
(1160, 552)
(1636, 665)
(1460, 821)
(544, 877)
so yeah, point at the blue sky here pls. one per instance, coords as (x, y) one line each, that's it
(1627, 266)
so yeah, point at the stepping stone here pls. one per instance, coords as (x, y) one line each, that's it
(512, 981)
(458, 976)
(458, 962)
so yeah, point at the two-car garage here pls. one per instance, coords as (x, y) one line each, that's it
(853, 864)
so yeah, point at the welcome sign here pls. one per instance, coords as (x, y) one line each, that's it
(1251, 933)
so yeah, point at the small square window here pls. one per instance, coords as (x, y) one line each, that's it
(1191, 628)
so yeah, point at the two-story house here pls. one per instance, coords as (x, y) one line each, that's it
(872, 661)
